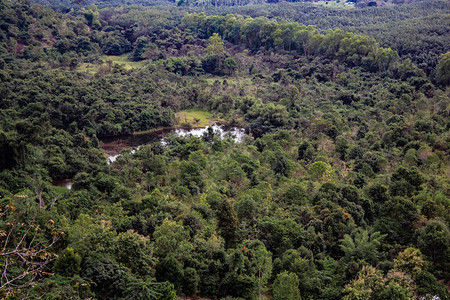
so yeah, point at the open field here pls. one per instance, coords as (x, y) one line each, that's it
(195, 117)
(121, 60)
(124, 61)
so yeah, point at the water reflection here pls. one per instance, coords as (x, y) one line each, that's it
(235, 133)
(67, 183)
(113, 146)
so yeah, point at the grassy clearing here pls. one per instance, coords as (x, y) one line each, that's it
(60, 189)
(88, 68)
(121, 60)
(124, 61)
(195, 117)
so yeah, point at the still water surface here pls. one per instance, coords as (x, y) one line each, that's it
(113, 146)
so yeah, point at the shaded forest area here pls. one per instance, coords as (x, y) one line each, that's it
(340, 190)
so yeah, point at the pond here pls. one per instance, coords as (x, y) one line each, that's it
(113, 146)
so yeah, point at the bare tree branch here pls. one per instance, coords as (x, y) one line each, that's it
(25, 255)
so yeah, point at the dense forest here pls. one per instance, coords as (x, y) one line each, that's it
(340, 188)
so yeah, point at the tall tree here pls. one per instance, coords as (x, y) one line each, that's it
(227, 223)
(215, 45)
(285, 287)
(434, 241)
(362, 245)
(443, 69)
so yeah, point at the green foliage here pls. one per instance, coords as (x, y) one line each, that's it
(116, 46)
(321, 171)
(171, 238)
(140, 46)
(280, 235)
(286, 287)
(250, 269)
(405, 182)
(295, 195)
(248, 206)
(361, 245)
(227, 223)
(230, 66)
(215, 45)
(263, 118)
(191, 281)
(91, 16)
(68, 263)
(434, 240)
(427, 285)
(134, 251)
(109, 279)
(443, 69)
(171, 270)
(371, 284)
(86, 236)
(191, 176)
(409, 261)
(150, 290)
(397, 217)
(281, 164)
(345, 165)
(262, 264)
(305, 151)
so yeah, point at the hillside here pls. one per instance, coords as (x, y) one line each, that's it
(339, 189)
(224, 3)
